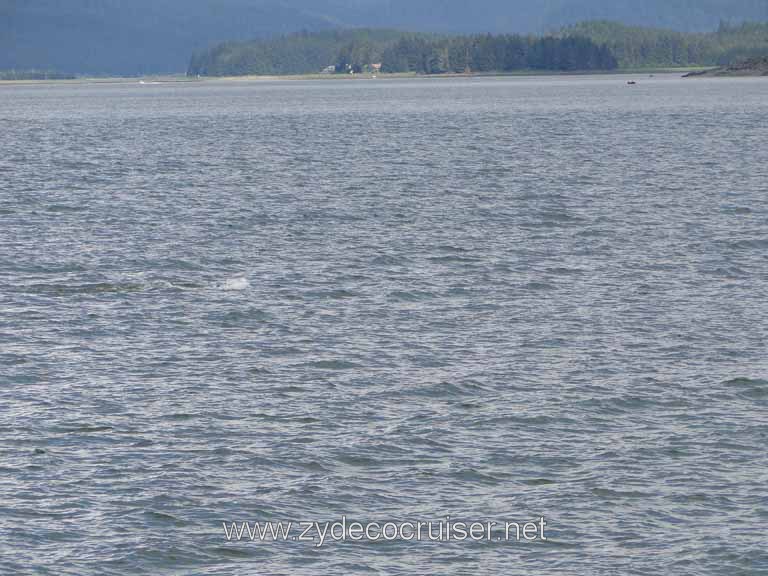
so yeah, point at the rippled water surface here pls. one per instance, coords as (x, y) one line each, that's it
(396, 300)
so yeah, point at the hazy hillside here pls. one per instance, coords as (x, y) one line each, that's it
(134, 36)
(683, 15)
(143, 36)
(544, 15)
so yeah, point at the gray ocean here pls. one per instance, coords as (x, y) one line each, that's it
(391, 300)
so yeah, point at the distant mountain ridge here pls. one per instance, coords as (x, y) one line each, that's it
(158, 36)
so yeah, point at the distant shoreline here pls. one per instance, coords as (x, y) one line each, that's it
(182, 79)
(413, 75)
(751, 68)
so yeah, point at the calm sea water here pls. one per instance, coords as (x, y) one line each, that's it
(494, 299)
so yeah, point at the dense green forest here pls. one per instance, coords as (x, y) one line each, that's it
(588, 46)
(360, 50)
(488, 53)
(300, 53)
(636, 47)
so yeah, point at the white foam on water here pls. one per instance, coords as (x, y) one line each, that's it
(240, 283)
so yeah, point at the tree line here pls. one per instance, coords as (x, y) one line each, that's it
(488, 53)
(598, 45)
(636, 47)
(358, 50)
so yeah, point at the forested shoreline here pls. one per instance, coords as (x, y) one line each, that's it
(636, 47)
(144, 37)
(389, 51)
(589, 46)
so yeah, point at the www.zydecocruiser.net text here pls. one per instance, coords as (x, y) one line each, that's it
(344, 530)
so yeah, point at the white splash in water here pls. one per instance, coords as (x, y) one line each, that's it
(240, 283)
